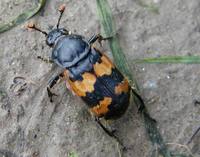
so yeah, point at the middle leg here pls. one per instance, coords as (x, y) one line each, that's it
(98, 37)
(55, 80)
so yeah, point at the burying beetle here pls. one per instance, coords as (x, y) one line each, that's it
(91, 75)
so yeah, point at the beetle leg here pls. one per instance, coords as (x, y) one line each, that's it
(45, 59)
(110, 133)
(55, 80)
(194, 134)
(98, 37)
(141, 105)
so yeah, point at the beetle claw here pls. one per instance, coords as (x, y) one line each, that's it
(113, 131)
(51, 94)
(141, 108)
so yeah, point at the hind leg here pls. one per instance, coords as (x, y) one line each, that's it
(141, 104)
(110, 133)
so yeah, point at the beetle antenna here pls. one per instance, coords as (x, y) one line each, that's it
(61, 10)
(32, 26)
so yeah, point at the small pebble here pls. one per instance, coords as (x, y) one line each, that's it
(150, 84)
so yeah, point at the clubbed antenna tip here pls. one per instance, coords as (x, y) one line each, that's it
(62, 8)
(31, 25)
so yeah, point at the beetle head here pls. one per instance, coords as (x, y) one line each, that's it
(52, 36)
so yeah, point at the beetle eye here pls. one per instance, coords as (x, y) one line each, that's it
(49, 43)
(49, 40)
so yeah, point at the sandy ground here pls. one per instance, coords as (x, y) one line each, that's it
(31, 126)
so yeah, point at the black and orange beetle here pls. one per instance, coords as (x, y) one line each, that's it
(90, 74)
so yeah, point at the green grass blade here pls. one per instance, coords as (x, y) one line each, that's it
(107, 23)
(151, 7)
(181, 155)
(22, 17)
(109, 30)
(171, 59)
(155, 136)
(72, 154)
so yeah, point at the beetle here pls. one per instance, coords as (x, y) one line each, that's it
(91, 75)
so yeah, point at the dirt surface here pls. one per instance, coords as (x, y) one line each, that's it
(31, 126)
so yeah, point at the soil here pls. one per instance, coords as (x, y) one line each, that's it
(31, 126)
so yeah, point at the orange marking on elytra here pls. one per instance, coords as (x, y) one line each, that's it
(103, 68)
(122, 87)
(86, 85)
(102, 107)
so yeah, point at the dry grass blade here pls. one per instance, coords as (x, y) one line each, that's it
(22, 17)
(183, 146)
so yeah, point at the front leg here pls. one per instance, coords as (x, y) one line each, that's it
(98, 37)
(55, 80)
(46, 60)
